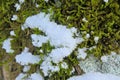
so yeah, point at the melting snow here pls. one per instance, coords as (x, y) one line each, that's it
(12, 33)
(26, 58)
(17, 6)
(7, 45)
(81, 53)
(95, 76)
(106, 1)
(96, 39)
(36, 76)
(14, 17)
(21, 76)
(38, 40)
(21, 1)
(58, 35)
(26, 68)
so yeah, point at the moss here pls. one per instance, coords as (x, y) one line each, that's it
(103, 21)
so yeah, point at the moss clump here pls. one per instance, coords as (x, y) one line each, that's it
(102, 20)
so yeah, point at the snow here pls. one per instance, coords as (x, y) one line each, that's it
(47, 67)
(64, 65)
(96, 38)
(36, 76)
(7, 45)
(81, 53)
(21, 76)
(46, 0)
(26, 58)
(58, 54)
(38, 40)
(95, 76)
(104, 58)
(84, 20)
(26, 68)
(12, 33)
(87, 36)
(17, 6)
(106, 1)
(14, 17)
(36, 5)
(21, 1)
(59, 36)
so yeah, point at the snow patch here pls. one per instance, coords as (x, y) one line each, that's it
(26, 68)
(62, 38)
(14, 17)
(38, 40)
(36, 76)
(106, 1)
(17, 6)
(81, 53)
(21, 1)
(21, 76)
(95, 76)
(96, 38)
(104, 58)
(26, 58)
(12, 33)
(7, 45)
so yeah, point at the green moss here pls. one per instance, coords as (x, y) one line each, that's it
(103, 21)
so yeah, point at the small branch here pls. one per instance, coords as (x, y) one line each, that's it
(78, 70)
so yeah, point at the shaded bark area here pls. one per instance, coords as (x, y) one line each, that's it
(1, 74)
(9, 71)
(6, 72)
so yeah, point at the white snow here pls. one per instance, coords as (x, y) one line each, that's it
(87, 36)
(36, 76)
(46, 0)
(104, 58)
(7, 45)
(21, 76)
(36, 5)
(17, 6)
(96, 38)
(38, 40)
(26, 58)
(21, 1)
(106, 1)
(26, 68)
(84, 20)
(95, 76)
(47, 66)
(41, 50)
(14, 17)
(113, 53)
(58, 35)
(81, 53)
(64, 65)
(12, 33)
(58, 54)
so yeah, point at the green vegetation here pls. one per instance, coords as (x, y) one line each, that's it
(103, 21)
